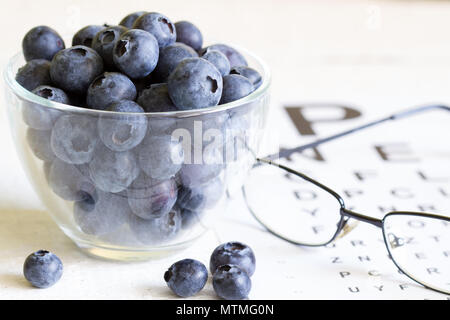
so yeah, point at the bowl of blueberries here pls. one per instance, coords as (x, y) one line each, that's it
(133, 136)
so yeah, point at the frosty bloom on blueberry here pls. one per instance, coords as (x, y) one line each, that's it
(231, 283)
(186, 277)
(41, 43)
(159, 26)
(35, 73)
(74, 69)
(42, 269)
(108, 88)
(136, 53)
(195, 83)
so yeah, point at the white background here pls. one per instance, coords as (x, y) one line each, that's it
(378, 55)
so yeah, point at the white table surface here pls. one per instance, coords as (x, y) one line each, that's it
(348, 51)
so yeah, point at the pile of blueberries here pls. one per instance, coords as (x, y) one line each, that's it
(121, 168)
(231, 264)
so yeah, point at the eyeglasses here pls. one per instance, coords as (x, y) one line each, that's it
(316, 215)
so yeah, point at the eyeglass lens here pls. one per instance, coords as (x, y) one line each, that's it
(296, 209)
(420, 246)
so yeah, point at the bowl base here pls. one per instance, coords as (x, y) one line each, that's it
(130, 255)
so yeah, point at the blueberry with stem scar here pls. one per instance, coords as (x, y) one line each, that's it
(42, 269)
(186, 277)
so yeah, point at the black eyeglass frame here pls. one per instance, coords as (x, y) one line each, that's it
(346, 214)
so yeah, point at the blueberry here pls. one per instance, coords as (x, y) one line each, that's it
(129, 20)
(186, 277)
(86, 35)
(52, 94)
(74, 138)
(235, 87)
(136, 53)
(101, 214)
(68, 182)
(156, 99)
(78, 100)
(219, 60)
(159, 26)
(122, 132)
(250, 73)
(190, 218)
(74, 69)
(39, 142)
(41, 43)
(189, 34)
(35, 73)
(84, 169)
(160, 157)
(158, 230)
(195, 174)
(113, 171)
(235, 58)
(239, 136)
(170, 57)
(104, 42)
(215, 121)
(201, 197)
(238, 129)
(41, 117)
(159, 126)
(234, 253)
(42, 269)
(231, 283)
(108, 88)
(145, 83)
(150, 198)
(194, 84)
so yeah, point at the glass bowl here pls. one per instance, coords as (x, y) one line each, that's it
(135, 186)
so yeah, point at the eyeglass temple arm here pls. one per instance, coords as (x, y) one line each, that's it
(403, 114)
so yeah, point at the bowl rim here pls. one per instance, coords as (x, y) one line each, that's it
(9, 75)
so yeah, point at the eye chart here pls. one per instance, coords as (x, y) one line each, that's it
(397, 166)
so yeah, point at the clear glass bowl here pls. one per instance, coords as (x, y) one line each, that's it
(124, 205)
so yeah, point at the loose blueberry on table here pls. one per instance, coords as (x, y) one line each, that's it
(231, 282)
(186, 277)
(114, 164)
(42, 269)
(233, 253)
